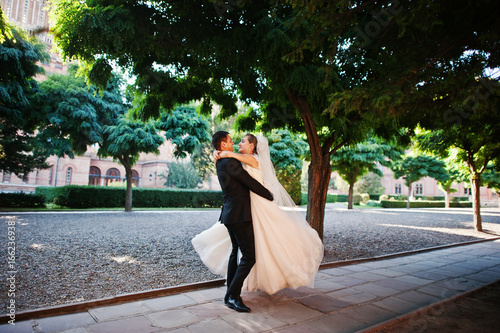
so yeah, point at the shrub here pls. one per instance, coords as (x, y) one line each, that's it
(365, 197)
(291, 183)
(340, 197)
(383, 197)
(429, 198)
(373, 203)
(422, 204)
(356, 199)
(21, 200)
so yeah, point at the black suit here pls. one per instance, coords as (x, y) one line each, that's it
(236, 215)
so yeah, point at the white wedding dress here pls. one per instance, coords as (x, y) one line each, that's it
(288, 251)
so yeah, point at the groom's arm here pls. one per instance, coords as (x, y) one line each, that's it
(234, 168)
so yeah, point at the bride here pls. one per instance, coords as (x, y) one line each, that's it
(288, 251)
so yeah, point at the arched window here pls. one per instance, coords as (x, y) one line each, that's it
(135, 178)
(69, 173)
(94, 176)
(113, 175)
(419, 189)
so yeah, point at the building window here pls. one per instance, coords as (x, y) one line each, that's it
(69, 173)
(112, 175)
(419, 189)
(6, 177)
(467, 191)
(135, 178)
(50, 175)
(397, 189)
(94, 176)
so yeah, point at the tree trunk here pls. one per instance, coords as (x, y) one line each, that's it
(476, 185)
(498, 196)
(128, 176)
(447, 197)
(409, 195)
(319, 177)
(350, 197)
(320, 168)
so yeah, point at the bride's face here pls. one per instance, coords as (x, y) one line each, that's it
(245, 147)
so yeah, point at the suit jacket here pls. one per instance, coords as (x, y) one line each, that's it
(236, 185)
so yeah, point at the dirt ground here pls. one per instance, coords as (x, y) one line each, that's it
(477, 312)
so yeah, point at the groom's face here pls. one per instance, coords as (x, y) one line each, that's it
(227, 145)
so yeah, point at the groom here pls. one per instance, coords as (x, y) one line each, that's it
(236, 215)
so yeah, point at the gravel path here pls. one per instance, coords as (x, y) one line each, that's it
(68, 257)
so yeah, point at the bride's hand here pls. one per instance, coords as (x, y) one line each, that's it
(216, 154)
(223, 154)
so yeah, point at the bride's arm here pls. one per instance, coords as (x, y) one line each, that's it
(245, 158)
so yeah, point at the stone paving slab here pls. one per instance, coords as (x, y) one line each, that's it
(345, 299)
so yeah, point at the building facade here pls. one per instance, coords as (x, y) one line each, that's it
(90, 169)
(32, 16)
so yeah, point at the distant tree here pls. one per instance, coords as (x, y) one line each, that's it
(491, 179)
(454, 177)
(354, 162)
(181, 175)
(370, 183)
(20, 151)
(81, 115)
(412, 169)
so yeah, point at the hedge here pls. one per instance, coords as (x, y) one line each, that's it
(21, 200)
(74, 196)
(330, 198)
(423, 204)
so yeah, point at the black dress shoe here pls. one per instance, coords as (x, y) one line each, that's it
(237, 304)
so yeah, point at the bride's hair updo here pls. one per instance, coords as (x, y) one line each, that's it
(252, 139)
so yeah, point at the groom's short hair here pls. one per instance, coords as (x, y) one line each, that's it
(218, 137)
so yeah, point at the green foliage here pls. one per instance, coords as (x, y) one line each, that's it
(330, 198)
(370, 183)
(19, 54)
(82, 197)
(412, 169)
(357, 199)
(286, 154)
(365, 197)
(354, 162)
(21, 200)
(78, 114)
(491, 178)
(182, 175)
(423, 204)
(185, 128)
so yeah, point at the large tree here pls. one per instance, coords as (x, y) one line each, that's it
(185, 50)
(469, 131)
(19, 54)
(294, 62)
